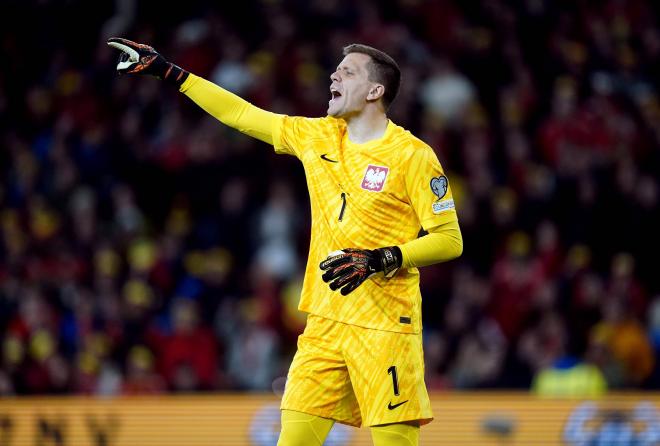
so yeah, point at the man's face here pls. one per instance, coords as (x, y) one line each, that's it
(350, 86)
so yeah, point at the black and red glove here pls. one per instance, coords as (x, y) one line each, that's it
(143, 59)
(349, 268)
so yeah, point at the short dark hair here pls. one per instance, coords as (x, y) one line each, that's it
(382, 69)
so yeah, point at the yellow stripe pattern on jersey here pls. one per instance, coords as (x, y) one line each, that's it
(365, 196)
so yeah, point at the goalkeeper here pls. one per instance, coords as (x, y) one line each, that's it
(372, 185)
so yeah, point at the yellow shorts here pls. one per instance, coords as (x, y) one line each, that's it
(357, 376)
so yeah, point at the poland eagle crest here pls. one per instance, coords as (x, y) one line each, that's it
(374, 178)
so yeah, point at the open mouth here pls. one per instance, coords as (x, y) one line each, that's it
(334, 94)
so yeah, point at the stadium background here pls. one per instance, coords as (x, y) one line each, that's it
(145, 249)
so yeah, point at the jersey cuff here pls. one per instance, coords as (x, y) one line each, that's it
(189, 82)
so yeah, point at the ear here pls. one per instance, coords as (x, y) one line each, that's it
(376, 92)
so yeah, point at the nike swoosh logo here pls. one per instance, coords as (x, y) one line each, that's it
(325, 158)
(392, 407)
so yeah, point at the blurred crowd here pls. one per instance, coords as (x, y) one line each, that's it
(146, 248)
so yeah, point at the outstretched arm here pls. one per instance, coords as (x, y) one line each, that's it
(230, 109)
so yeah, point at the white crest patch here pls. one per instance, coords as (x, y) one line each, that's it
(374, 178)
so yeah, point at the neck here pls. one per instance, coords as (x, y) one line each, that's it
(366, 126)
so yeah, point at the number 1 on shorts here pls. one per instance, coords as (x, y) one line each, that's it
(395, 380)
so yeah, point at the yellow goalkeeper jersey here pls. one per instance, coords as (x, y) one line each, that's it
(365, 196)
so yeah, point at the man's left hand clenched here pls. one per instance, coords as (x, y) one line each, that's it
(349, 268)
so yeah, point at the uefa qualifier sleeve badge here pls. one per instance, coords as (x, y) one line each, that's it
(439, 186)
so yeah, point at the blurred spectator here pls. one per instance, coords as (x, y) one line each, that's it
(248, 328)
(446, 92)
(654, 324)
(480, 357)
(141, 377)
(276, 226)
(557, 372)
(189, 353)
(626, 340)
(568, 377)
